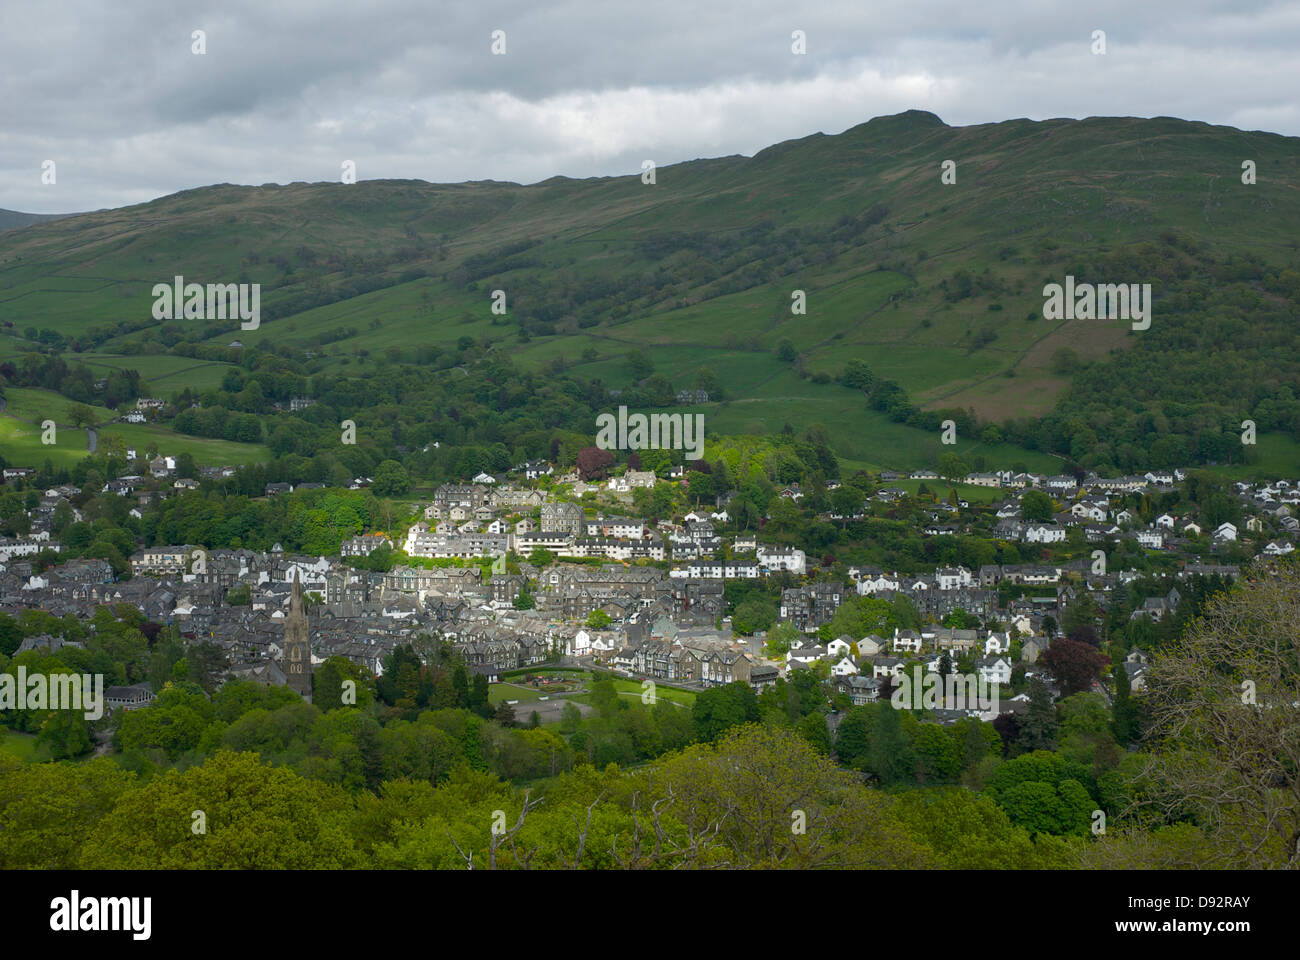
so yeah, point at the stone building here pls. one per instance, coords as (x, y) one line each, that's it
(296, 659)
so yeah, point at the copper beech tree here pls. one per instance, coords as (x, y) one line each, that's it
(593, 462)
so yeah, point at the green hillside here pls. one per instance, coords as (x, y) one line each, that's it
(10, 219)
(936, 287)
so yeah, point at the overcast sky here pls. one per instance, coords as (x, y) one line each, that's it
(288, 90)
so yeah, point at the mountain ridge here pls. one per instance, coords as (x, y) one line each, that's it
(935, 286)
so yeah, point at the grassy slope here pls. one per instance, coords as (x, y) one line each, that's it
(1029, 197)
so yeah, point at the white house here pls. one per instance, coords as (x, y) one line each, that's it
(874, 583)
(839, 647)
(1151, 539)
(1044, 533)
(996, 670)
(782, 558)
(952, 578)
(1226, 531)
(907, 640)
(845, 668)
(579, 645)
(997, 643)
(604, 643)
(888, 667)
(1091, 509)
(805, 655)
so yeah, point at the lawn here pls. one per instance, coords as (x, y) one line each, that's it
(499, 692)
(513, 686)
(20, 745)
(633, 689)
(661, 692)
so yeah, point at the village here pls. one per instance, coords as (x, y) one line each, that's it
(593, 588)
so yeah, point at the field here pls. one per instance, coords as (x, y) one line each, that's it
(205, 450)
(1277, 455)
(859, 435)
(164, 374)
(25, 409)
(20, 444)
(36, 405)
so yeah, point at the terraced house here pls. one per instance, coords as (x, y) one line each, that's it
(162, 561)
(566, 518)
(808, 607)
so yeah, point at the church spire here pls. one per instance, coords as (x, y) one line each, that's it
(296, 656)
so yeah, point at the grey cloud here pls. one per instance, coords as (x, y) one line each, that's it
(288, 90)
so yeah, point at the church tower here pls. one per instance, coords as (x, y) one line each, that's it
(296, 659)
